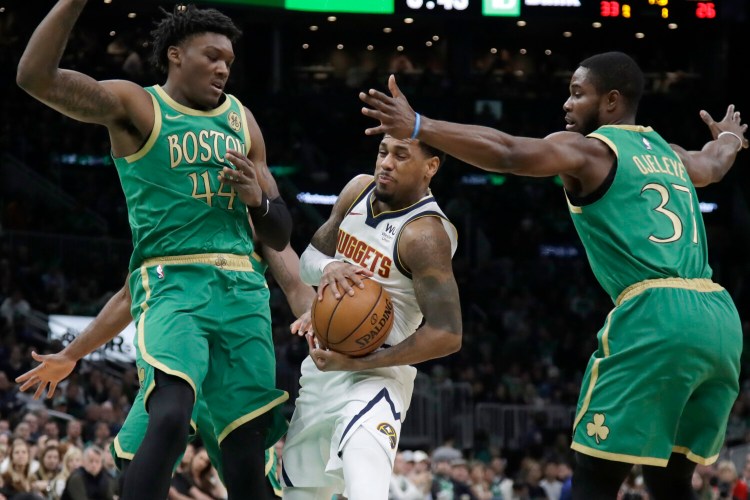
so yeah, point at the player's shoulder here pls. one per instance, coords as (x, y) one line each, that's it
(354, 188)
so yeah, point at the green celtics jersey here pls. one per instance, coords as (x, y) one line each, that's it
(176, 203)
(648, 223)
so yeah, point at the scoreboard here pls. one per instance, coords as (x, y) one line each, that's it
(671, 10)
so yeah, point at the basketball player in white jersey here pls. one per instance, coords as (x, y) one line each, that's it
(347, 420)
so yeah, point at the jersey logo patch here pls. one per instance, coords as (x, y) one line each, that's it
(234, 121)
(597, 429)
(141, 376)
(173, 117)
(646, 143)
(390, 432)
(160, 272)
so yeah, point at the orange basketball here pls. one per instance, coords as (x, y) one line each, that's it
(354, 325)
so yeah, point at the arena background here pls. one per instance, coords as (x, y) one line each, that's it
(530, 303)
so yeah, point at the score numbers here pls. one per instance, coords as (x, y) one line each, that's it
(627, 9)
(437, 4)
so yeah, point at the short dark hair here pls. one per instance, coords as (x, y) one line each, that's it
(616, 71)
(430, 151)
(186, 21)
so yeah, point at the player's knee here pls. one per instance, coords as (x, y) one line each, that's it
(367, 467)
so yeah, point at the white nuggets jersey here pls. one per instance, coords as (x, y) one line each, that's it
(371, 241)
(333, 406)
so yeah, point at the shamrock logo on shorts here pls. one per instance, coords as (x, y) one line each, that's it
(597, 428)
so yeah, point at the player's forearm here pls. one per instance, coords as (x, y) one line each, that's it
(110, 321)
(273, 224)
(300, 299)
(425, 344)
(312, 262)
(39, 62)
(723, 151)
(482, 147)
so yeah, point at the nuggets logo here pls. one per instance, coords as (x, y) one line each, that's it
(141, 376)
(234, 121)
(390, 432)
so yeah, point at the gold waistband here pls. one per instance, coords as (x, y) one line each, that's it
(227, 261)
(697, 285)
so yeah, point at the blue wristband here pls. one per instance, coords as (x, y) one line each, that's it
(417, 123)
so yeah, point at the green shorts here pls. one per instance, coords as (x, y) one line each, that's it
(131, 435)
(206, 319)
(664, 378)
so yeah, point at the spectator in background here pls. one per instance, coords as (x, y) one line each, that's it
(43, 479)
(71, 461)
(402, 488)
(501, 485)
(420, 474)
(73, 433)
(550, 483)
(14, 308)
(17, 478)
(478, 481)
(200, 481)
(729, 484)
(90, 482)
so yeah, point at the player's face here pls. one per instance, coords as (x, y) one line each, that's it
(400, 171)
(582, 107)
(204, 61)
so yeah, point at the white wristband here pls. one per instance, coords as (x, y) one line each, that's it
(312, 263)
(732, 134)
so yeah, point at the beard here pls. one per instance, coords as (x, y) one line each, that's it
(381, 196)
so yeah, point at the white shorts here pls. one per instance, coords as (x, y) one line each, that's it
(330, 406)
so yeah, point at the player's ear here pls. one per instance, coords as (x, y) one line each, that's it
(433, 164)
(174, 55)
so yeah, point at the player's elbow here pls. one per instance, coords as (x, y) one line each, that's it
(29, 81)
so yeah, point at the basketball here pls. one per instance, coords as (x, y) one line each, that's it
(354, 325)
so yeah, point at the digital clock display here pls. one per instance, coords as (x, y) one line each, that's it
(665, 9)
(437, 4)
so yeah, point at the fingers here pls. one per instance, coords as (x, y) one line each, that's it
(363, 271)
(310, 343)
(374, 114)
(395, 91)
(30, 383)
(375, 98)
(26, 376)
(707, 118)
(51, 390)
(39, 390)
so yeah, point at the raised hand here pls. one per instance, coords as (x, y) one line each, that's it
(53, 369)
(243, 178)
(394, 113)
(730, 123)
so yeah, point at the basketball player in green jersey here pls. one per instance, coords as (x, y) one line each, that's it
(115, 316)
(659, 389)
(190, 160)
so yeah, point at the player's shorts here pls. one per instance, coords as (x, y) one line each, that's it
(330, 407)
(131, 435)
(181, 305)
(665, 376)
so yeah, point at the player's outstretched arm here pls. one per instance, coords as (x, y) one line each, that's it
(317, 265)
(284, 266)
(483, 147)
(72, 93)
(711, 163)
(53, 368)
(425, 249)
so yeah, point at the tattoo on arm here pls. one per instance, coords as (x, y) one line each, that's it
(81, 97)
(326, 237)
(437, 295)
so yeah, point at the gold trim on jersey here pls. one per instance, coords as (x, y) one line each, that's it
(607, 141)
(632, 128)
(253, 414)
(270, 461)
(152, 136)
(573, 208)
(222, 108)
(589, 391)
(684, 450)
(442, 220)
(358, 198)
(256, 256)
(119, 451)
(142, 344)
(696, 285)
(619, 457)
(229, 262)
(245, 128)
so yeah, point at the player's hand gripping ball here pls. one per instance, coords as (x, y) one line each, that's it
(353, 325)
